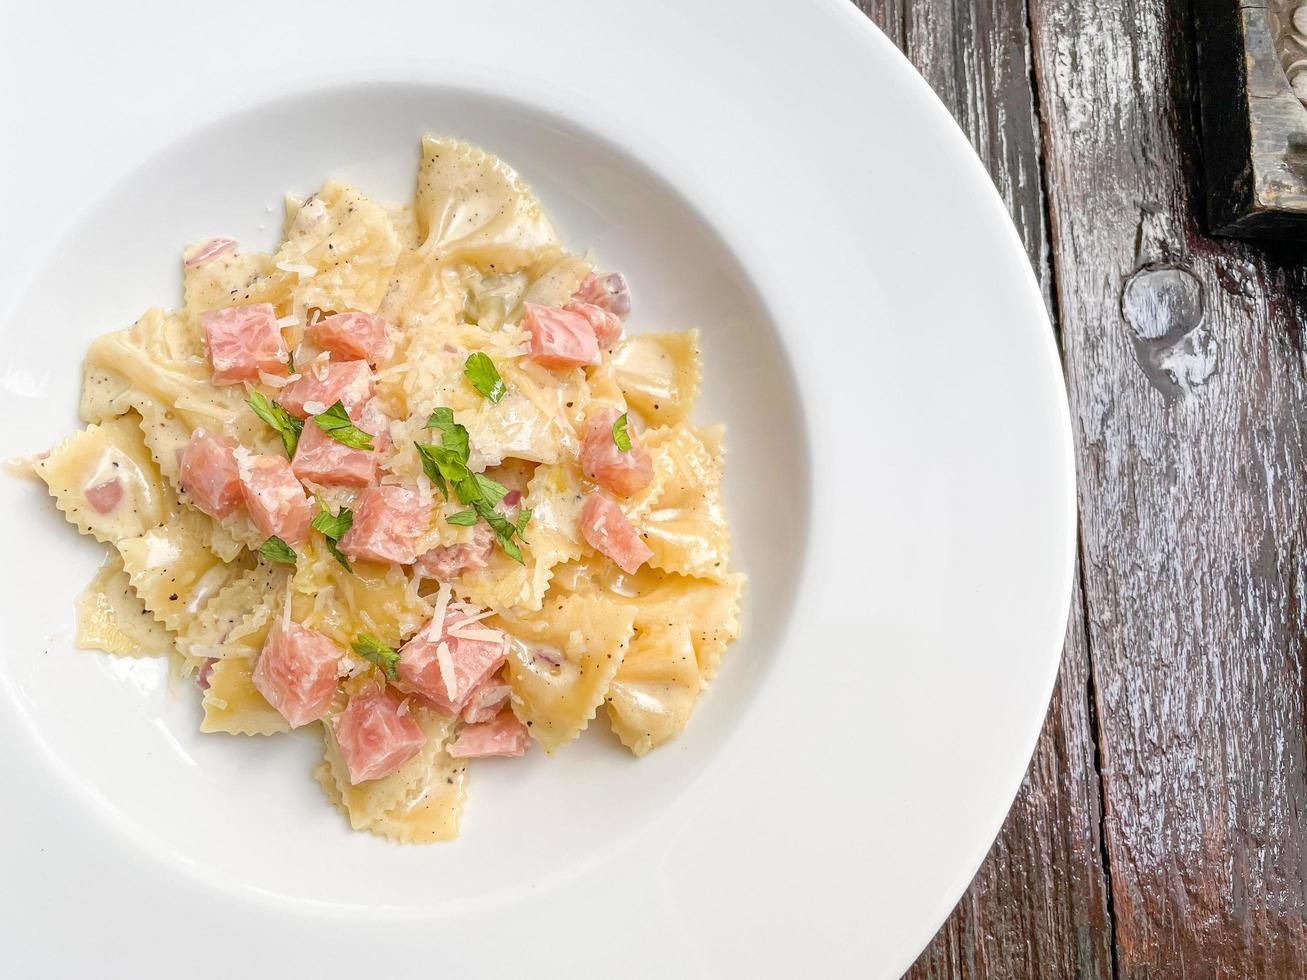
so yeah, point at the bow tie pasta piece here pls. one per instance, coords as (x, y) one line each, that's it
(235, 621)
(659, 374)
(654, 690)
(340, 250)
(660, 599)
(233, 279)
(562, 661)
(141, 357)
(474, 207)
(174, 571)
(423, 800)
(112, 618)
(105, 482)
(554, 497)
(555, 279)
(679, 514)
(373, 598)
(233, 705)
(166, 436)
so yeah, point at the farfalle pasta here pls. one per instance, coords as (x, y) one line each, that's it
(407, 482)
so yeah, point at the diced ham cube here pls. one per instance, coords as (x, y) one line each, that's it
(388, 520)
(274, 497)
(607, 327)
(621, 471)
(297, 671)
(209, 475)
(321, 459)
(104, 497)
(202, 252)
(323, 384)
(559, 338)
(353, 335)
(449, 561)
(375, 739)
(447, 669)
(242, 341)
(608, 292)
(608, 531)
(504, 736)
(484, 702)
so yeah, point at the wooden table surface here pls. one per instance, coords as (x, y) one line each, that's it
(1160, 830)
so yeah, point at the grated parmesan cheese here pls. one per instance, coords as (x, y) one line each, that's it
(447, 675)
(298, 268)
(442, 609)
(462, 623)
(275, 380)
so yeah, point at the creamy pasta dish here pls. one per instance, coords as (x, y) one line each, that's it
(407, 483)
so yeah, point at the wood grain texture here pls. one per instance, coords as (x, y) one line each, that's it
(1186, 374)
(1038, 906)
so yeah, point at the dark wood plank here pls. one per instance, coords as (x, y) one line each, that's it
(1188, 395)
(1038, 906)
(889, 15)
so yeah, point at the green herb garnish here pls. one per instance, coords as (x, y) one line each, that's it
(278, 419)
(490, 491)
(446, 466)
(336, 423)
(332, 527)
(481, 371)
(370, 648)
(275, 549)
(504, 529)
(621, 438)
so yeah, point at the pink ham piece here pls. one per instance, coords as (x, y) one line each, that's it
(361, 336)
(274, 497)
(504, 736)
(321, 459)
(607, 327)
(447, 669)
(209, 475)
(559, 339)
(449, 561)
(375, 739)
(484, 702)
(608, 531)
(242, 341)
(388, 520)
(104, 497)
(202, 252)
(623, 472)
(202, 676)
(608, 292)
(297, 671)
(323, 384)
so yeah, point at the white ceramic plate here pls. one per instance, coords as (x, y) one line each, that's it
(900, 483)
